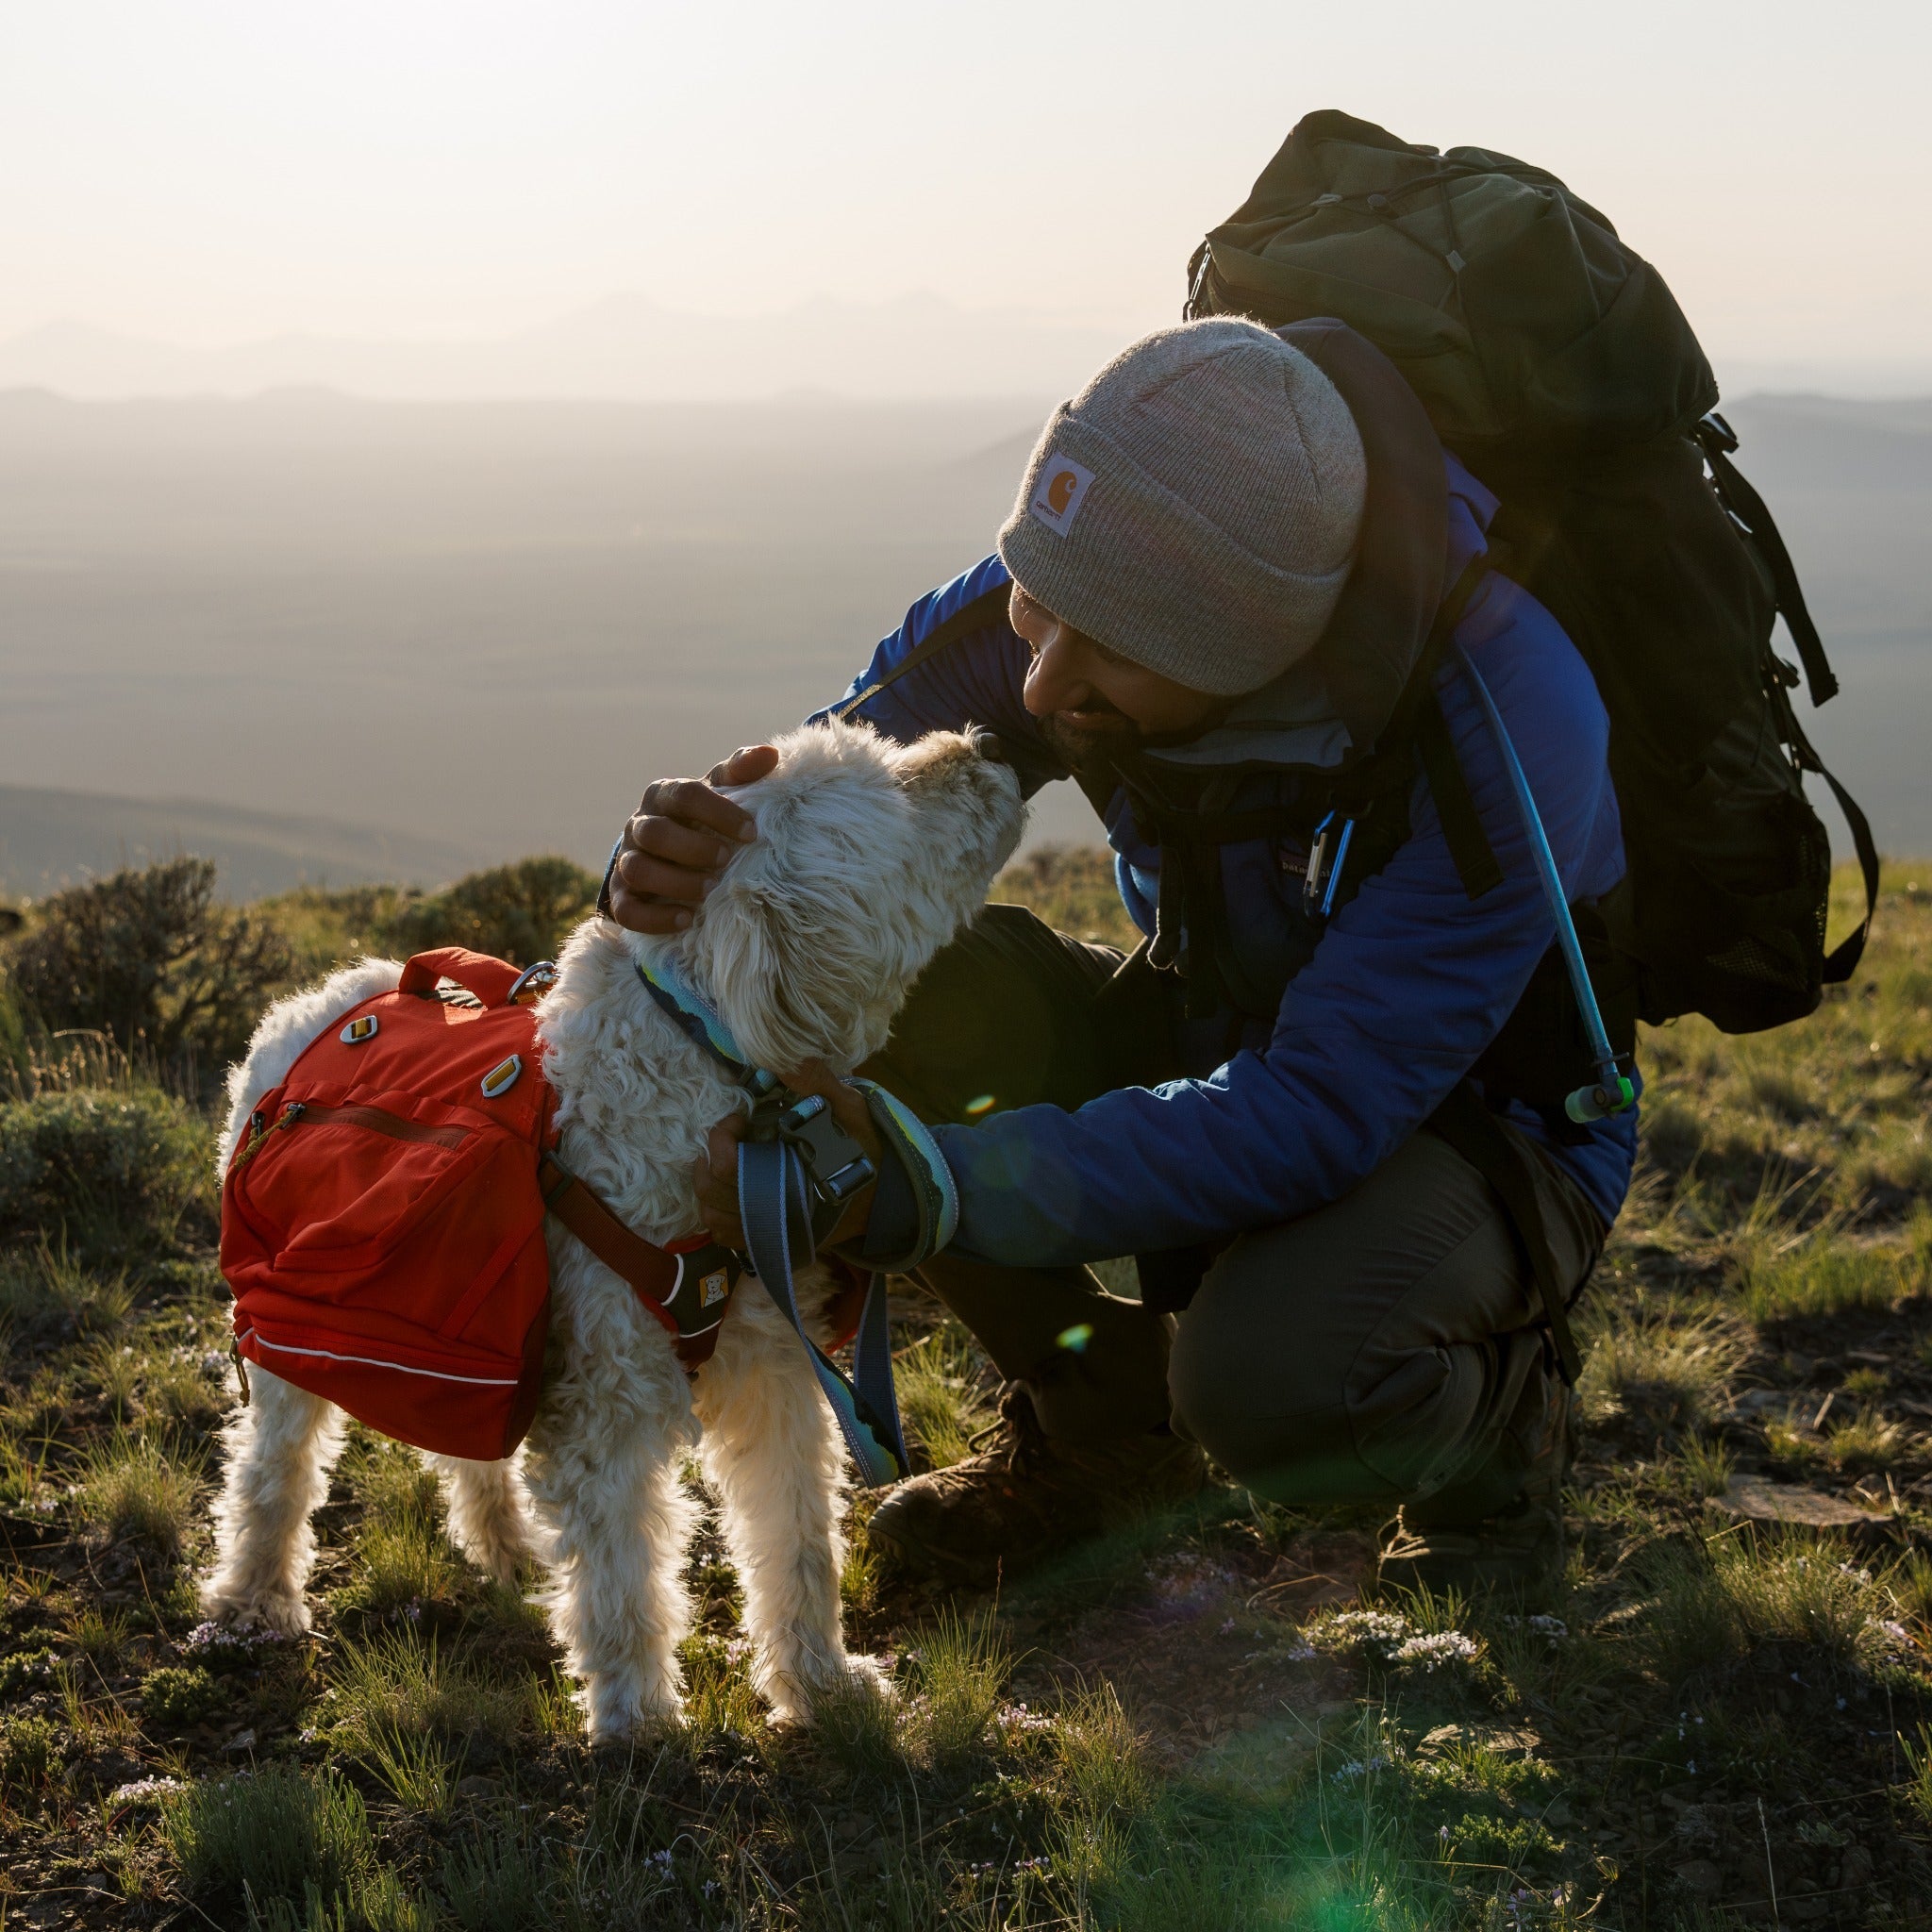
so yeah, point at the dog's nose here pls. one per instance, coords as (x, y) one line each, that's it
(988, 744)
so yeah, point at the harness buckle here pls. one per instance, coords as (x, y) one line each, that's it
(834, 1165)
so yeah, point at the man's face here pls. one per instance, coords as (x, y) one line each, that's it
(1092, 704)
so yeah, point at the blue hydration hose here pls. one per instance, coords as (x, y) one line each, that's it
(1612, 1091)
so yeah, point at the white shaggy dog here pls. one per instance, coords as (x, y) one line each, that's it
(869, 857)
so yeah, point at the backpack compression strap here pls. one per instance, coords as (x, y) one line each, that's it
(687, 1287)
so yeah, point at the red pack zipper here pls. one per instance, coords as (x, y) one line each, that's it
(375, 1120)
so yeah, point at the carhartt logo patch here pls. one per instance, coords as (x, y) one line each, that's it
(1061, 491)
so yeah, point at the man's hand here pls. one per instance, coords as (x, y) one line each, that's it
(678, 842)
(716, 1172)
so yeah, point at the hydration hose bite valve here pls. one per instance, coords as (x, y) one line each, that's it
(1611, 1093)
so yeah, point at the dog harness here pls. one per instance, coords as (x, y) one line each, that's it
(794, 1173)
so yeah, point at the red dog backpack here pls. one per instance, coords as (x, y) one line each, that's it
(382, 1217)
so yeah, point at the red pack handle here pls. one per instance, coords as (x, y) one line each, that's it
(489, 979)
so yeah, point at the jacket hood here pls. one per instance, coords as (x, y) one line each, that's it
(1329, 707)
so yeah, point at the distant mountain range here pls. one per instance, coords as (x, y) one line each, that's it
(623, 348)
(50, 839)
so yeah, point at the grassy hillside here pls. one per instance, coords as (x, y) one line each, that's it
(1204, 1727)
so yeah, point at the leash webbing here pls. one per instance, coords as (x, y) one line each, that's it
(773, 1206)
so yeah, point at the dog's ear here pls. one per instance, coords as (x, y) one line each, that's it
(792, 983)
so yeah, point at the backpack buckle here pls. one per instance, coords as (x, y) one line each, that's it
(531, 984)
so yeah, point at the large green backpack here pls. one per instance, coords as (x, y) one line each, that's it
(1555, 362)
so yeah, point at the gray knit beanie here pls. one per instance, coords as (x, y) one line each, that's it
(1195, 507)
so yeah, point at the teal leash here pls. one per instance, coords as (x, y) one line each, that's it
(774, 1204)
(777, 1235)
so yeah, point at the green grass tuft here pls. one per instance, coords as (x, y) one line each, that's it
(1664, 1363)
(269, 1836)
(940, 1398)
(1721, 1600)
(29, 1751)
(1827, 1275)
(131, 1486)
(397, 1685)
(959, 1671)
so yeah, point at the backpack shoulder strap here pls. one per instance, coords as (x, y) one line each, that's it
(1477, 864)
(1469, 845)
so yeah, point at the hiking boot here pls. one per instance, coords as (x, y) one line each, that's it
(1028, 1497)
(1519, 1551)
(1503, 1528)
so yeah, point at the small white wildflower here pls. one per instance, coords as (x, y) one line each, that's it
(1016, 1717)
(145, 1790)
(1301, 1653)
(207, 1636)
(1360, 1630)
(1438, 1652)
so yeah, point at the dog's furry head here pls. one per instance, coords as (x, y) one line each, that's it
(870, 855)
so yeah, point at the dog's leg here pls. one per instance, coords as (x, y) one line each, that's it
(280, 1449)
(772, 1450)
(488, 1513)
(602, 1469)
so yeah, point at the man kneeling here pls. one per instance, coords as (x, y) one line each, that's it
(1238, 601)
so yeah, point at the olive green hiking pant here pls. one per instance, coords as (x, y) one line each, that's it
(1385, 1349)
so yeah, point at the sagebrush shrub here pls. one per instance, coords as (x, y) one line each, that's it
(519, 912)
(108, 1175)
(150, 959)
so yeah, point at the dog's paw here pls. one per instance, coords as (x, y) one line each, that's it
(853, 1688)
(623, 1710)
(284, 1612)
(870, 1673)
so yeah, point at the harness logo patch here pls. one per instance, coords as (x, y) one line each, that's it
(715, 1286)
(1061, 491)
(357, 1030)
(502, 1077)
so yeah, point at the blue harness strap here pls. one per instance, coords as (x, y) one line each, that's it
(774, 1206)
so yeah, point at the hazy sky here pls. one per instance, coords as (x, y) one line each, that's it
(210, 170)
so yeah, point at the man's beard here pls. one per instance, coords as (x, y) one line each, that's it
(1090, 753)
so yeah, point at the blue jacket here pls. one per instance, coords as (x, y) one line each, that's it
(1409, 983)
